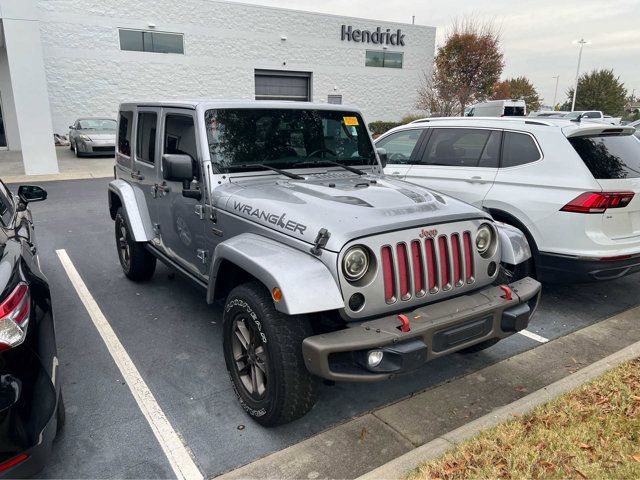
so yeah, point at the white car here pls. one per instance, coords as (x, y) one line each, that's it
(572, 187)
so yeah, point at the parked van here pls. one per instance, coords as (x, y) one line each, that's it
(498, 108)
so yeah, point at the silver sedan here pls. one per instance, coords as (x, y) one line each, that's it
(93, 136)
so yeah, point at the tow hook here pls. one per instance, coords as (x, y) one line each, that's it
(406, 326)
(508, 294)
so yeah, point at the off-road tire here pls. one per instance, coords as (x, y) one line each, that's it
(61, 414)
(290, 390)
(480, 346)
(141, 263)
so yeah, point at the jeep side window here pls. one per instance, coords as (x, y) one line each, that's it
(400, 145)
(180, 138)
(146, 137)
(125, 125)
(519, 149)
(456, 147)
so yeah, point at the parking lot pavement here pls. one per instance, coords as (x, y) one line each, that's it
(174, 339)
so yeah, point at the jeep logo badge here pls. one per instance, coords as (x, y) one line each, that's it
(433, 233)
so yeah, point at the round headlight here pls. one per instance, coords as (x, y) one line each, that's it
(484, 238)
(355, 263)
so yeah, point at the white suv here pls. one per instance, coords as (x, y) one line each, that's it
(572, 187)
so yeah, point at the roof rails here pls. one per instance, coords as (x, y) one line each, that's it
(526, 120)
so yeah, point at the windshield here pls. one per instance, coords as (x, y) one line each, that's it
(286, 138)
(609, 157)
(97, 124)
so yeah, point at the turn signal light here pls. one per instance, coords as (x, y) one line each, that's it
(598, 202)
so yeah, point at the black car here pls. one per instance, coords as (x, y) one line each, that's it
(31, 407)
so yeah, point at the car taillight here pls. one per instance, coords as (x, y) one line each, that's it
(14, 317)
(598, 202)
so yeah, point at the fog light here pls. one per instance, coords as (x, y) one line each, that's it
(374, 358)
(356, 302)
(491, 269)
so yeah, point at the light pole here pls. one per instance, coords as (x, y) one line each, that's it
(582, 42)
(555, 94)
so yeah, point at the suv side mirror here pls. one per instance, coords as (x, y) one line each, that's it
(71, 127)
(177, 168)
(382, 153)
(31, 193)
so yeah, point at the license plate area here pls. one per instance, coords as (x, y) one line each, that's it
(457, 335)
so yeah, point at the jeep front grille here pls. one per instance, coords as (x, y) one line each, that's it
(426, 267)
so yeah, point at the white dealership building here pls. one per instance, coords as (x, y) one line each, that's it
(65, 59)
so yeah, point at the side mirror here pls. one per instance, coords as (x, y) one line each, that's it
(31, 193)
(177, 168)
(382, 154)
(71, 127)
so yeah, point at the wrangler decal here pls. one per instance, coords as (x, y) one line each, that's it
(272, 218)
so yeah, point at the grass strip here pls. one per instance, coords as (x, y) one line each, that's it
(592, 432)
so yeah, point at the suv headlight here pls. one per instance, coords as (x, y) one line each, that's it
(355, 263)
(484, 238)
(85, 137)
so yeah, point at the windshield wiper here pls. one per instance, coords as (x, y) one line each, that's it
(330, 162)
(269, 167)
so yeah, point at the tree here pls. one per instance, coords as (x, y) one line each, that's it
(435, 97)
(464, 71)
(519, 88)
(469, 63)
(501, 90)
(600, 90)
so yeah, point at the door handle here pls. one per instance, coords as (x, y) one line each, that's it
(137, 175)
(475, 179)
(395, 173)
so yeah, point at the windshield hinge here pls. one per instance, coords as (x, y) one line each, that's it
(321, 240)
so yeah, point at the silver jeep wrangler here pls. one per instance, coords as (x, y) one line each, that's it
(325, 266)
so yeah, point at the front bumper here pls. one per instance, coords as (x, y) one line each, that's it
(96, 147)
(555, 268)
(436, 330)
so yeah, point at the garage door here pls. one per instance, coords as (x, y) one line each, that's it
(273, 85)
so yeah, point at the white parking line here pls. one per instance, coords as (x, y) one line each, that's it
(533, 336)
(181, 462)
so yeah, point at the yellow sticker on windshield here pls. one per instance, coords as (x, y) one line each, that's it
(350, 121)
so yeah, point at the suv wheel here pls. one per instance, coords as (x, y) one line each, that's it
(137, 262)
(263, 353)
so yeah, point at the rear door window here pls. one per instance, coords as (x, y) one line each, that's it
(458, 147)
(519, 149)
(125, 125)
(146, 137)
(609, 157)
(400, 145)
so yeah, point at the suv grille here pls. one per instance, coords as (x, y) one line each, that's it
(426, 267)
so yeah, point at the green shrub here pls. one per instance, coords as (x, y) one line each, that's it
(379, 127)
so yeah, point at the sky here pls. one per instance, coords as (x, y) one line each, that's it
(537, 36)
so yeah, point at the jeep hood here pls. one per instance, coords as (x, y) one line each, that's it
(348, 206)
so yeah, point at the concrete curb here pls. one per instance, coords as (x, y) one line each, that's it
(30, 179)
(398, 468)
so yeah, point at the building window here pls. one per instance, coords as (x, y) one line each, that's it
(283, 85)
(377, 58)
(334, 99)
(147, 41)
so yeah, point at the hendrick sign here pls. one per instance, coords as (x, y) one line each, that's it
(376, 37)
